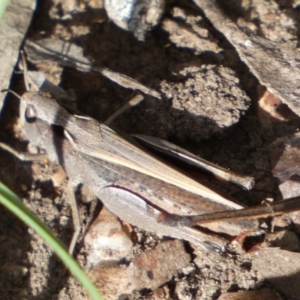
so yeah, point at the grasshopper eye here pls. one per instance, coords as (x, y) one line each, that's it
(30, 114)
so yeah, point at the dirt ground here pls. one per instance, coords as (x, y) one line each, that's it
(209, 106)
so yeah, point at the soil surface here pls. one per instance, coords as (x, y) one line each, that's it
(209, 106)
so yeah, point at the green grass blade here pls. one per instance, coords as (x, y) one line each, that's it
(13, 203)
(3, 4)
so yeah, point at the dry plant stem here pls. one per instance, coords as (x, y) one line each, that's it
(276, 68)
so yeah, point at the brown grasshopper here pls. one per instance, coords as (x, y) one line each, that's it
(131, 183)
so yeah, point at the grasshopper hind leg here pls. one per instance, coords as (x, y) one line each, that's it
(135, 210)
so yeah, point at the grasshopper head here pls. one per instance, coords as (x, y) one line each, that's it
(37, 105)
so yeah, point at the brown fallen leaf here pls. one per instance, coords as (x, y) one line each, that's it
(149, 271)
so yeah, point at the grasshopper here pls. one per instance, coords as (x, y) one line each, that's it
(131, 183)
